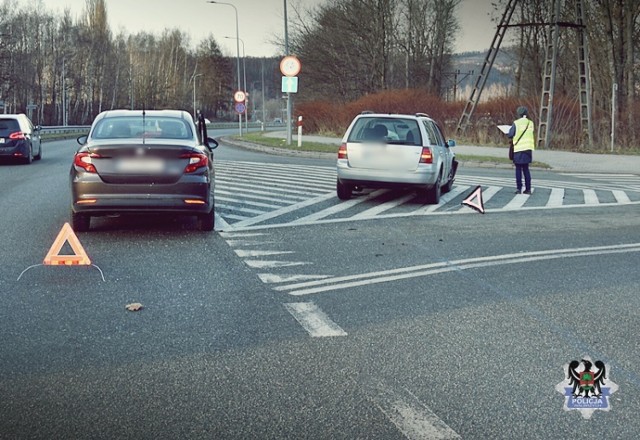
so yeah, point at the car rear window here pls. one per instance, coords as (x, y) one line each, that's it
(8, 126)
(160, 127)
(388, 130)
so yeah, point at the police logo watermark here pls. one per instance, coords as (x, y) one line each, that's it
(587, 387)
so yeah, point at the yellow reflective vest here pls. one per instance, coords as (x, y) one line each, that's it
(523, 139)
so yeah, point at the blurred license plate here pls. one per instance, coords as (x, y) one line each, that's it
(141, 165)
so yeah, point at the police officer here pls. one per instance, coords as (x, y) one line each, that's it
(521, 134)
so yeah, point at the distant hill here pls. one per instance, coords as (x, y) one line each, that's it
(500, 78)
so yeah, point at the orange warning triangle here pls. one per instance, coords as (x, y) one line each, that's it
(80, 257)
(474, 200)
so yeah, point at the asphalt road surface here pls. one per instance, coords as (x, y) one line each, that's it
(301, 317)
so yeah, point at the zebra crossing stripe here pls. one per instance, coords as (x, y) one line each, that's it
(338, 208)
(621, 196)
(455, 192)
(590, 197)
(382, 207)
(285, 210)
(556, 197)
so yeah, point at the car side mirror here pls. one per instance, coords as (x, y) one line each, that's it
(82, 139)
(212, 143)
(451, 143)
(37, 128)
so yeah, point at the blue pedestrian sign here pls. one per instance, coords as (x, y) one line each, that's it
(289, 84)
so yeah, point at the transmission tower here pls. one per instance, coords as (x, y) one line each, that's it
(549, 72)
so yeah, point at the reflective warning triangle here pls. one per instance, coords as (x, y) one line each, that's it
(474, 200)
(80, 258)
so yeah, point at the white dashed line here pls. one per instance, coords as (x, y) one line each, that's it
(314, 320)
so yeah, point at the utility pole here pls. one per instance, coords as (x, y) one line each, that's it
(286, 49)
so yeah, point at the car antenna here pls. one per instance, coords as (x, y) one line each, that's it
(144, 126)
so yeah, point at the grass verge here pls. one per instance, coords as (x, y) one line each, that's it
(261, 139)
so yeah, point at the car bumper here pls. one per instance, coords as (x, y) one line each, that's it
(20, 150)
(97, 198)
(421, 176)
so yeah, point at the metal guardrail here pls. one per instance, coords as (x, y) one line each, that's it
(63, 129)
(85, 128)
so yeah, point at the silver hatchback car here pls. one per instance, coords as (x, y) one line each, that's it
(393, 150)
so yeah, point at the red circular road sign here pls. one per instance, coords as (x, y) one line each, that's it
(239, 96)
(290, 66)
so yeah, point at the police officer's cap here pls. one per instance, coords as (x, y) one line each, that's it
(522, 111)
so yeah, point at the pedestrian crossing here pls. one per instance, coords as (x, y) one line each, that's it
(251, 195)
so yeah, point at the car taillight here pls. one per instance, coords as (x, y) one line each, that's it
(196, 160)
(84, 161)
(342, 152)
(426, 156)
(17, 135)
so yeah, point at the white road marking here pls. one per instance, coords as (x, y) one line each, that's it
(240, 209)
(456, 191)
(221, 224)
(247, 202)
(285, 210)
(414, 419)
(242, 234)
(314, 320)
(342, 206)
(264, 264)
(621, 196)
(377, 277)
(282, 190)
(590, 197)
(250, 195)
(302, 180)
(517, 202)
(488, 193)
(271, 278)
(237, 243)
(382, 207)
(556, 197)
(253, 254)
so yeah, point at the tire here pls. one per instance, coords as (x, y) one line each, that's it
(344, 190)
(29, 158)
(449, 185)
(39, 155)
(80, 222)
(433, 194)
(452, 176)
(207, 222)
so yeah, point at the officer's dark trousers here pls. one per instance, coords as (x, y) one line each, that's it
(523, 169)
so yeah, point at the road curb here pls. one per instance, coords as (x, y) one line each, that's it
(277, 151)
(320, 155)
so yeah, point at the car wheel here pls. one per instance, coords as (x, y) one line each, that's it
(433, 194)
(207, 222)
(29, 158)
(449, 185)
(80, 222)
(344, 190)
(39, 155)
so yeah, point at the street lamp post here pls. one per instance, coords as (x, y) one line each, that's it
(237, 53)
(286, 49)
(193, 77)
(244, 74)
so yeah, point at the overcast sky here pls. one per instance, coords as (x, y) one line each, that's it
(260, 21)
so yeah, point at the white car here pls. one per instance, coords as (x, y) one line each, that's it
(392, 150)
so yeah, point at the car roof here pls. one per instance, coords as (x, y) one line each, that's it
(179, 114)
(394, 115)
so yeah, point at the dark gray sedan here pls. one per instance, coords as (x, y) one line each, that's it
(135, 161)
